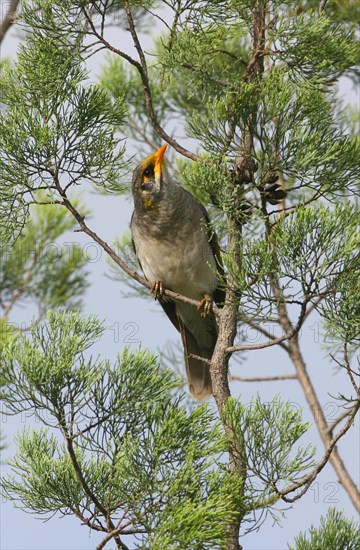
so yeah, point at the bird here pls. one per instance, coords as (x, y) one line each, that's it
(178, 250)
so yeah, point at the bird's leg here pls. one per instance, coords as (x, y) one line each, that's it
(205, 305)
(158, 289)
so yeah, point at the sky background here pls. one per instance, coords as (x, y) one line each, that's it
(138, 322)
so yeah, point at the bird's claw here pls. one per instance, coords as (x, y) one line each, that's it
(158, 289)
(205, 305)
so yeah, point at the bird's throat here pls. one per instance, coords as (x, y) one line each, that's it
(148, 203)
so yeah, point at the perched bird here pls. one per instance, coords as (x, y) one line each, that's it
(177, 250)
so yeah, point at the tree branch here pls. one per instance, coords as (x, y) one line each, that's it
(107, 45)
(116, 531)
(219, 376)
(243, 172)
(312, 400)
(266, 333)
(350, 372)
(307, 480)
(274, 342)
(9, 18)
(337, 420)
(322, 5)
(318, 413)
(304, 379)
(143, 71)
(70, 448)
(290, 334)
(94, 499)
(235, 377)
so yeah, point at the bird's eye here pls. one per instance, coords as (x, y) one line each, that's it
(148, 173)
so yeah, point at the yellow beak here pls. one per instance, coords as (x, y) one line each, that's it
(159, 155)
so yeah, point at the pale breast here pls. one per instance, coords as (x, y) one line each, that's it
(184, 265)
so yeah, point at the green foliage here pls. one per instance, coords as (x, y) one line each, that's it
(56, 130)
(341, 308)
(269, 433)
(339, 49)
(41, 459)
(315, 246)
(301, 140)
(7, 335)
(205, 61)
(48, 370)
(136, 446)
(128, 436)
(117, 443)
(335, 531)
(316, 255)
(37, 267)
(298, 133)
(208, 178)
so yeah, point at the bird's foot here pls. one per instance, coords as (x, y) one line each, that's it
(205, 305)
(158, 289)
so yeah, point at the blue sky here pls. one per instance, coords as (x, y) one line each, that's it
(142, 322)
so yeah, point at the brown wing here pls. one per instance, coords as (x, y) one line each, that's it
(219, 293)
(170, 310)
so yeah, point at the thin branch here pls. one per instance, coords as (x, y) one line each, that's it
(107, 45)
(199, 358)
(307, 480)
(263, 378)
(143, 71)
(337, 420)
(85, 486)
(275, 342)
(289, 209)
(266, 333)
(350, 371)
(92, 426)
(135, 128)
(325, 292)
(14, 297)
(290, 334)
(154, 14)
(314, 305)
(116, 531)
(125, 513)
(170, 40)
(44, 203)
(229, 54)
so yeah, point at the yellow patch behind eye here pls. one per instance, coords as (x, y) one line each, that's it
(145, 178)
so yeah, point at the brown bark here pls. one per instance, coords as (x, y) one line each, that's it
(9, 18)
(323, 428)
(219, 375)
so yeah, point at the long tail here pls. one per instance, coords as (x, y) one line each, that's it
(199, 337)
